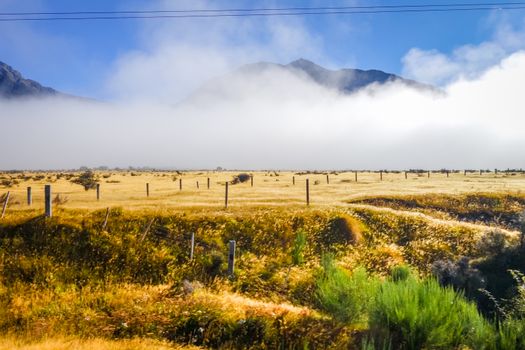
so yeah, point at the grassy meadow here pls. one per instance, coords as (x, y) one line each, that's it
(127, 189)
(400, 263)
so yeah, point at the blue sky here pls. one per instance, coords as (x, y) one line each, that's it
(80, 57)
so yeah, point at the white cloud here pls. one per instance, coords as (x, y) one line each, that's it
(282, 121)
(465, 62)
(177, 56)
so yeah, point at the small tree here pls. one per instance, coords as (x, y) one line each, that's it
(87, 179)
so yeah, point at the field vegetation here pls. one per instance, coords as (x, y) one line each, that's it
(393, 264)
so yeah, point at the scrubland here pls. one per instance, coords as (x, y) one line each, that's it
(394, 264)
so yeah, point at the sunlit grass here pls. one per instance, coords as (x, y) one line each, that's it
(121, 189)
(60, 343)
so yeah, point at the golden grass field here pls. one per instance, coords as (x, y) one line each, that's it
(88, 344)
(128, 189)
(58, 314)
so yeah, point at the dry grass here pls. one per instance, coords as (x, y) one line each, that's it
(121, 189)
(12, 343)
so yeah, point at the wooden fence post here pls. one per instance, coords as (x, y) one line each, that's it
(98, 192)
(226, 196)
(146, 230)
(447, 173)
(180, 184)
(208, 183)
(251, 180)
(293, 180)
(406, 175)
(307, 191)
(355, 172)
(104, 224)
(147, 189)
(381, 175)
(428, 174)
(48, 202)
(29, 196)
(192, 245)
(231, 259)
(327, 179)
(5, 204)
(197, 184)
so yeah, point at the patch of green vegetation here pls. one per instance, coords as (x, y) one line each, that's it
(421, 314)
(347, 296)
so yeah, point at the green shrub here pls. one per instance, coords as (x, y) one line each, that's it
(511, 335)
(346, 296)
(422, 314)
(87, 179)
(370, 344)
(400, 273)
(298, 248)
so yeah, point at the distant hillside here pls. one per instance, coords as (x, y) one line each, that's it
(344, 80)
(251, 79)
(13, 84)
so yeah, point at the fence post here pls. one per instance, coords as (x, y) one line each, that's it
(226, 196)
(447, 173)
(480, 172)
(381, 175)
(146, 230)
(105, 220)
(231, 259)
(307, 191)
(208, 183)
(192, 245)
(147, 189)
(48, 203)
(29, 196)
(327, 179)
(251, 180)
(197, 184)
(355, 172)
(98, 192)
(293, 180)
(406, 175)
(5, 204)
(428, 174)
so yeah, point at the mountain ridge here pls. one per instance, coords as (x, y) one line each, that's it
(346, 80)
(14, 85)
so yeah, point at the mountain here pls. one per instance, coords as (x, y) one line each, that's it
(287, 80)
(344, 80)
(13, 85)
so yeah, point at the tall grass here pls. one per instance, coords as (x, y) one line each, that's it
(298, 248)
(346, 296)
(421, 314)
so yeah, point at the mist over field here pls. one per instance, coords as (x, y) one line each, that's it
(157, 116)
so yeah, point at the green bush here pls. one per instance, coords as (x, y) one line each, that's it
(298, 248)
(422, 314)
(346, 296)
(400, 273)
(87, 179)
(511, 335)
